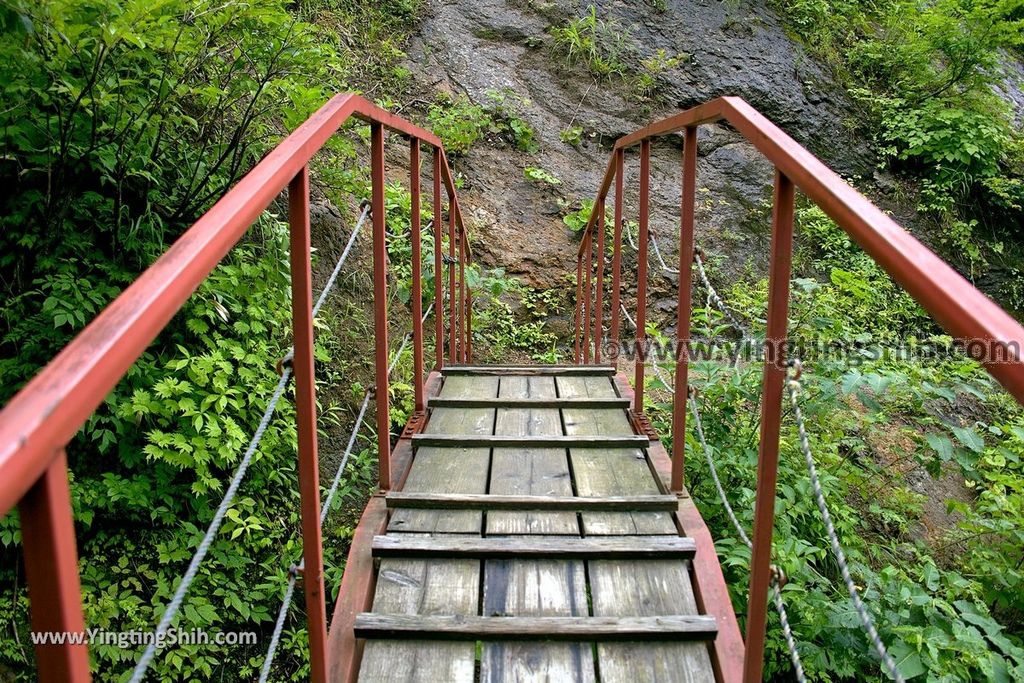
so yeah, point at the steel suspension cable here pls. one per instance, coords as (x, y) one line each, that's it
(657, 368)
(713, 295)
(341, 261)
(139, 672)
(794, 388)
(780, 605)
(698, 425)
(275, 638)
(657, 252)
(325, 507)
(653, 239)
(698, 260)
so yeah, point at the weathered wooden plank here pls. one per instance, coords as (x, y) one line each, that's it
(502, 441)
(490, 501)
(451, 470)
(602, 629)
(533, 547)
(530, 402)
(557, 370)
(533, 587)
(539, 472)
(608, 471)
(649, 588)
(423, 588)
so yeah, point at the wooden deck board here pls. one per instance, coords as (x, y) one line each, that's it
(609, 471)
(423, 587)
(451, 470)
(522, 587)
(533, 587)
(436, 586)
(636, 589)
(625, 587)
(530, 471)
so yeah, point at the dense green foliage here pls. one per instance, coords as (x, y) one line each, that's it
(925, 74)
(122, 122)
(947, 602)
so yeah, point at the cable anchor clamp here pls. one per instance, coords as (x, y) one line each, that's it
(286, 362)
(778, 575)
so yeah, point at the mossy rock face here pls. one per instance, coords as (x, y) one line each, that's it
(476, 48)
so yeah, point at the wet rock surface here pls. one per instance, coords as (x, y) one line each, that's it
(476, 47)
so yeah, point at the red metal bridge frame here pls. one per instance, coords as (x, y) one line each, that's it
(963, 311)
(39, 422)
(42, 418)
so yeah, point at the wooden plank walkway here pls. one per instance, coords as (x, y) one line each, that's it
(479, 581)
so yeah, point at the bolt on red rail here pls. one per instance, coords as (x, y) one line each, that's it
(39, 422)
(963, 311)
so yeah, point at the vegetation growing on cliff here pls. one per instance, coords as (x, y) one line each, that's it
(927, 75)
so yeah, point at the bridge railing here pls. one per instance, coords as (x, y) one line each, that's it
(39, 422)
(987, 332)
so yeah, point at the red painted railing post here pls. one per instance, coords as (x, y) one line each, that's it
(617, 251)
(462, 293)
(469, 324)
(305, 417)
(641, 274)
(452, 353)
(588, 292)
(579, 305)
(683, 309)
(380, 303)
(771, 417)
(51, 565)
(438, 265)
(417, 285)
(599, 305)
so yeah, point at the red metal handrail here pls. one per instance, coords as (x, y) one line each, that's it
(37, 424)
(994, 337)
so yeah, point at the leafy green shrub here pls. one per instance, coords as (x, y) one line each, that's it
(925, 72)
(942, 619)
(129, 119)
(577, 218)
(962, 146)
(505, 106)
(460, 122)
(651, 68)
(573, 135)
(857, 297)
(503, 333)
